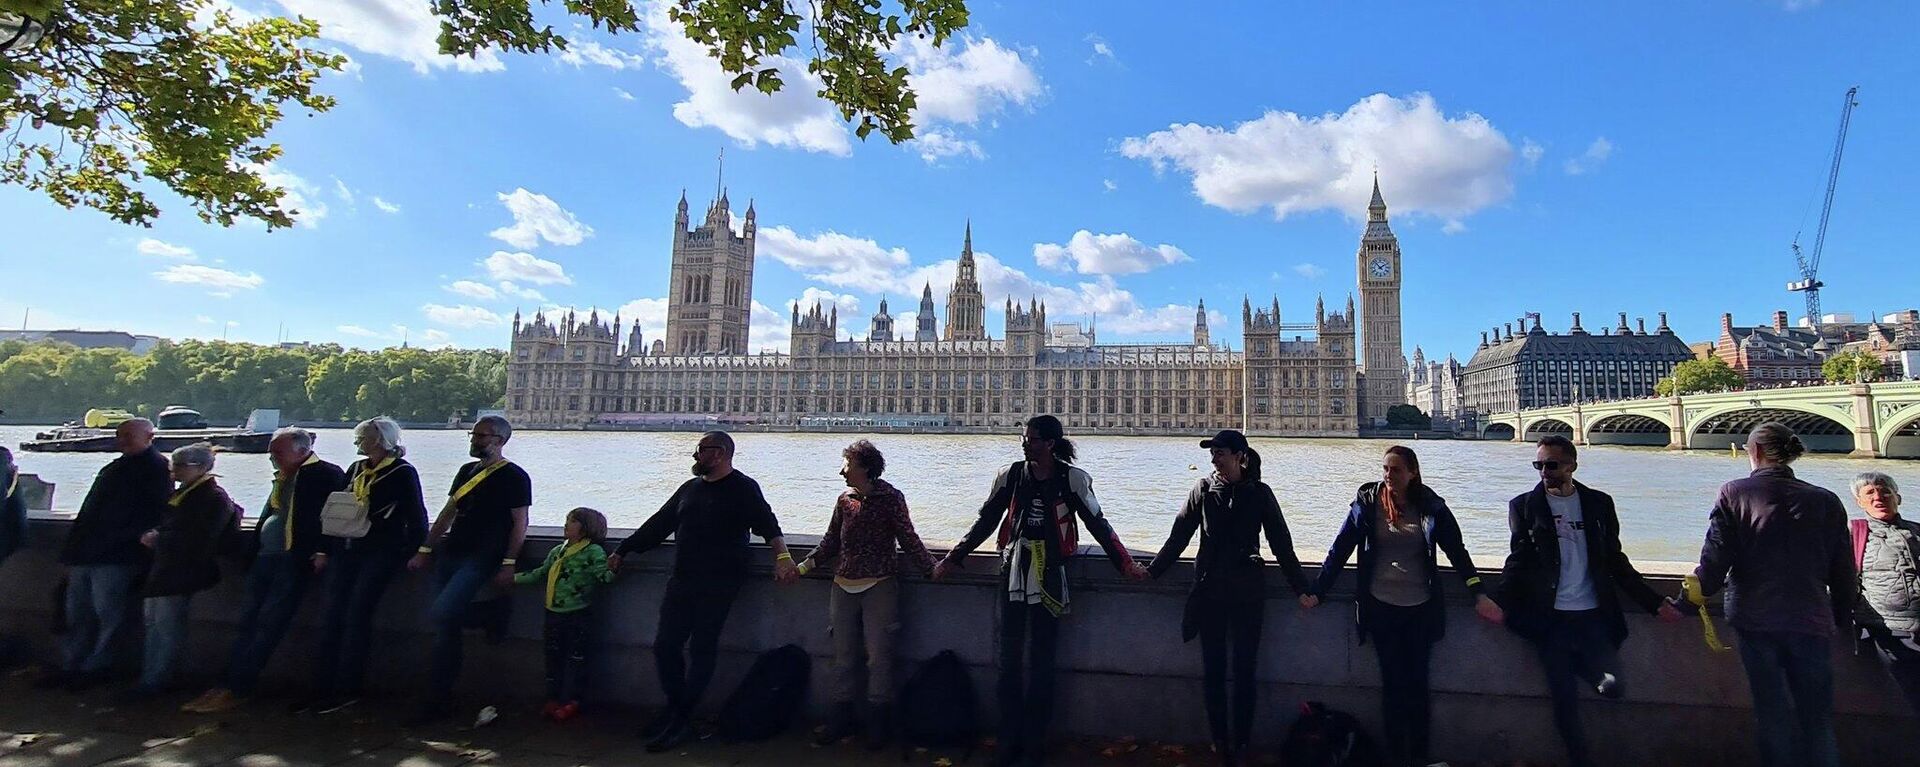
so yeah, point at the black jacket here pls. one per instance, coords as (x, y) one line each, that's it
(124, 502)
(1532, 573)
(1781, 548)
(1357, 531)
(1230, 518)
(395, 507)
(311, 486)
(13, 516)
(188, 537)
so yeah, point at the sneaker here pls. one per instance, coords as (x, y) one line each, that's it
(193, 706)
(336, 704)
(568, 711)
(677, 733)
(1608, 686)
(658, 724)
(218, 701)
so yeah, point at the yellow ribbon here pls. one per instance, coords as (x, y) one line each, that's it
(273, 498)
(1691, 585)
(553, 573)
(363, 482)
(475, 480)
(181, 494)
(1037, 556)
(13, 483)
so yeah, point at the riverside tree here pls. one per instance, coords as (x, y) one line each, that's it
(1695, 376)
(118, 93)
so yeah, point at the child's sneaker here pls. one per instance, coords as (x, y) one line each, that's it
(568, 711)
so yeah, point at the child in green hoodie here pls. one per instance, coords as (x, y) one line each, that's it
(571, 572)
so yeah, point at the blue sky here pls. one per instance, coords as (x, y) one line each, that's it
(1114, 159)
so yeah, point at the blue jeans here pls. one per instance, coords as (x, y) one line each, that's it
(274, 588)
(460, 578)
(356, 579)
(98, 600)
(1791, 676)
(167, 619)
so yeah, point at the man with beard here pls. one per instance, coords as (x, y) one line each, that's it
(487, 513)
(709, 518)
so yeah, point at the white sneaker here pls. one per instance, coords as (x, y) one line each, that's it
(1607, 685)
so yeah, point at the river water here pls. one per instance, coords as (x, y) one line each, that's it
(1663, 496)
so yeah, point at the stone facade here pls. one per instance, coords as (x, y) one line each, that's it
(710, 298)
(1541, 369)
(1383, 362)
(1291, 379)
(1436, 388)
(1793, 355)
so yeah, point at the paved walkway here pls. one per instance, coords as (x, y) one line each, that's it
(43, 729)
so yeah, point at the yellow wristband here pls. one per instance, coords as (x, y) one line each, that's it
(783, 555)
(426, 550)
(506, 562)
(804, 568)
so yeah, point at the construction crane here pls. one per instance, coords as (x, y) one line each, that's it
(1809, 282)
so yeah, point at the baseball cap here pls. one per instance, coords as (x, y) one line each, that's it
(1228, 439)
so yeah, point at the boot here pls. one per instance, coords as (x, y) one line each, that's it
(878, 725)
(840, 724)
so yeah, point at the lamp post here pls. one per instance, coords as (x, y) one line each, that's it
(19, 32)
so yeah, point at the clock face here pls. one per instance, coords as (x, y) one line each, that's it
(1380, 268)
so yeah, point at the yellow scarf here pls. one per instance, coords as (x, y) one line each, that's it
(1691, 585)
(273, 498)
(181, 494)
(363, 482)
(553, 573)
(13, 483)
(476, 479)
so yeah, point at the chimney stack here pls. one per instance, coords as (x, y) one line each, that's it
(1483, 339)
(1642, 322)
(1663, 323)
(1622, 329)
(1779, 322)
(1576, 329)
(1726, 324)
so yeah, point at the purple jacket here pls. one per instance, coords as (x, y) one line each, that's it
(1781, 549)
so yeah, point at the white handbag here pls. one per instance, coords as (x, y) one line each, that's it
(344, 516)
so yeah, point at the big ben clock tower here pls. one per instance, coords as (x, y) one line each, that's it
(1382, 366)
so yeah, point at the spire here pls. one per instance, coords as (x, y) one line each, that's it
(1379, 203)
(966, 250)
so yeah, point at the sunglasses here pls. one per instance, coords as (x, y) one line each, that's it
(1547, 465)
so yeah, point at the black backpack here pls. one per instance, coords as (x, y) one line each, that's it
(766, 701)
(937, 708)
(1324, 737)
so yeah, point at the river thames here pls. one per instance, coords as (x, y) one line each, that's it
(1663, 496)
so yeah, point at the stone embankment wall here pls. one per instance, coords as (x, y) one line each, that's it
(1123, 668)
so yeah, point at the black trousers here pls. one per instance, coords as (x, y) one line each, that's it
(1901, 655)
(1230, 627)
(1576, 652)
(690, 621)
(1403, 642)
(568, 636)
(1026, 699)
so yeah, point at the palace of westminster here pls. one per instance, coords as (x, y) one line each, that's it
(1319, 378)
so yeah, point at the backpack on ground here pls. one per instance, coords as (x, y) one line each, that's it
(937, 708)
(1325, 737)
(768, 698)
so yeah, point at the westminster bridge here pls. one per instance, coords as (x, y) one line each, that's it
(1880, 420)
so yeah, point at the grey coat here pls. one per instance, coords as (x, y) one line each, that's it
(1890, 578)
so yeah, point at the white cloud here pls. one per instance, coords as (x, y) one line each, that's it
(384, 206)
(525, 267)
(475, 290)
(623, 94)
(300, 199)
(936, 144)
(1101, 50)
(1590, 160)
(357, 331)
(462, 316)
(769, 330)
(340, 188)
(1531, 151)
(835, 258)
(582, 53)
(206, 276)
(847, 303)
(152, 247)
(1453, 226)
(402, 29)
(436, 338)
(966, 79)
(537, 217)
(203, 319)
(650, 314)
(508, 288)
(1429, 163)
(1089, 253)
(793, 118)
(1309, 271)
(1109, 185)
(1800, 5)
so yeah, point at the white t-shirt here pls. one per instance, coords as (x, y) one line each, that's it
(1576, 584)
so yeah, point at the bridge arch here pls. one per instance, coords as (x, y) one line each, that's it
(1629, 429)
(1540, 427)
(1822, 431)
(1900, 433)
(1497, 430)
